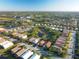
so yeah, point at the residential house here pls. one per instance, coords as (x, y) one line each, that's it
(41, 43)
(19, 35)
(2, 29)
(48, 44)
(5, 43)
(34, 40)
(35, 56)
(19, 53)
(14, 50)
(27, 54)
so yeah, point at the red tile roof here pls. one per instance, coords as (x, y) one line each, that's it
(48, 44)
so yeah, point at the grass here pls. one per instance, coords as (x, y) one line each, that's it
(6, 18)
(8, 55)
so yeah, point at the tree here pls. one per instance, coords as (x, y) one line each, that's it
(35, 31)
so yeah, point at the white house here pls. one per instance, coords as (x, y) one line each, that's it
(6, 44)
(23, 36)
(27, 54)
(35, 56)
(34, 40)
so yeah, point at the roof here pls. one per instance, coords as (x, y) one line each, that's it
(20, 52)
(2, 29)
(35, 56)
(48, 44)
(27, 54)
(60, 41)
(42, 42)
(61, 38)
(31, 39)
(34, 40)
(23, 36)
(14, 33)
(65, 33)
(17, 48)
(2, 40)
(14, 50)
(6, 44)
(59, 44)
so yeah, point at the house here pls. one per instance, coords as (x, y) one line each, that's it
(27, 54)
(28, 17)
(65, 33)
(23, 53)
(2, 30)
(37, 40)
(60, 41)
(5, 43)
(48, 44)
(15, 34)
(14, 50)
(41, 43)
(31, 39)
(45, 43)
(19, 35)
(34, 40)
(17, 48)
(35, 56)
(22, 36)
(19, 53)
(2, 40)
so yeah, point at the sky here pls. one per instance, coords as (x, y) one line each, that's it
(39, 5)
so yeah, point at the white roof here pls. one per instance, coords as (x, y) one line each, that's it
(25, 36)
(6, 44)
(2, 28)
(27, 54)
(35, 56)
(21, 35)
(31, 39)
(36, 40)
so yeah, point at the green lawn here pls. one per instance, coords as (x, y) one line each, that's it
(8, 55)
(6, 18)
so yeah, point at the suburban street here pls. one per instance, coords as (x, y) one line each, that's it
(70, 52)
